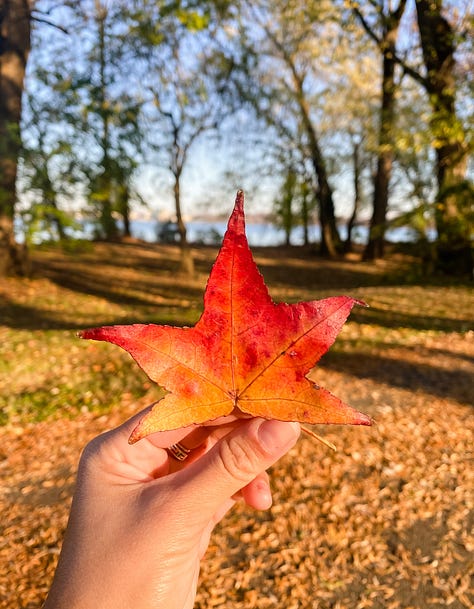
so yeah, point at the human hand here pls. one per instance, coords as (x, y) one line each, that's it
(141, 521)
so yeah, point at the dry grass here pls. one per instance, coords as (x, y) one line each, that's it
(385, 522)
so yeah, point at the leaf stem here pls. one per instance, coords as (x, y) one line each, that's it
(319, 438)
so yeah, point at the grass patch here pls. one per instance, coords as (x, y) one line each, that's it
(47, 372)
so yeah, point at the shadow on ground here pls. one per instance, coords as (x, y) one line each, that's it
(396, 319)
(405, 374)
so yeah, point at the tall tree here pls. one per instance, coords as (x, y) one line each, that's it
(185, 75)
(350, 112)
(440, 76)
(111, 111)
(357, 166)
(384, 31)
(102, 184)
(89, 82)
(15, 42)
(43, 185)
(455, 193)
(282, 45)
(16, 20)
(284, 203)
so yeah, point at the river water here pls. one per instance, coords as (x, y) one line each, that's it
(211, 233)
(261, 234)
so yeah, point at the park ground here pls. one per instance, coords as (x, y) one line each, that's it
(385, 522)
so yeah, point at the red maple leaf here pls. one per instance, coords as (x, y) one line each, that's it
(246, 354)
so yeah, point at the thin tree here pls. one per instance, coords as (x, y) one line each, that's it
(357, 167)
(284, 204)
(186, 76)
(280, 62)
(112, 106)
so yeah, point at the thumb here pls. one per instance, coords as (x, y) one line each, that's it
(236, 460)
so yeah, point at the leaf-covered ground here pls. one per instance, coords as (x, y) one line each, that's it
(386, 522)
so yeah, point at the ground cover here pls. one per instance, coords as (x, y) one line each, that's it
(385, 522)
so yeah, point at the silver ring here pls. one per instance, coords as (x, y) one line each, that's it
(178, 451)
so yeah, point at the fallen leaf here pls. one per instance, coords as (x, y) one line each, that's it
(246, 355)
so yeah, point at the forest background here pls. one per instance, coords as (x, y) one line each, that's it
(324, 111)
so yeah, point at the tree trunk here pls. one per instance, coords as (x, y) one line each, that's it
(102, 190)
(284, 203)
(50, 200)
(109, 225)
(376, 244)
(356, 161)
(331, 243)
(305, 215)
(389, 18)
(15, 37)
(124, 207)
(187, 262)
(330, 239)
(454, 253)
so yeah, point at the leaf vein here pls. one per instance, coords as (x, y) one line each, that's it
(283, 351)
(180, 363)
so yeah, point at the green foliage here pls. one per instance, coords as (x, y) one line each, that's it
(192, 20)
(47, 222)
(295, 202)
(463, 193)
(283, 204)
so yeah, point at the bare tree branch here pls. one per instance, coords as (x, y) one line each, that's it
(40, 19)
(379, 40)
(367, 28)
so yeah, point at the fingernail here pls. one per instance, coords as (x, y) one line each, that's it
(275, 436)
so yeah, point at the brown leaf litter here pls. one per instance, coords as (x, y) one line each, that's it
(386, 522)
